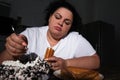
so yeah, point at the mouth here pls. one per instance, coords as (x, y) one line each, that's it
(58, 28)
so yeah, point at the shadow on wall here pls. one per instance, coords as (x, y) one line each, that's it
(101, 35)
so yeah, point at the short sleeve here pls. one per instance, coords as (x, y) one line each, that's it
(84, 48)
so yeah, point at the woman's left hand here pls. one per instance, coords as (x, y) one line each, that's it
(56, 63)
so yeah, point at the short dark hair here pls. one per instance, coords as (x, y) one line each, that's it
(77, 22)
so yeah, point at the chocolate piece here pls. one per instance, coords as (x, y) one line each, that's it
(49, 52)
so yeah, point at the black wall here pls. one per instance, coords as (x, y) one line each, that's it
(101, 35)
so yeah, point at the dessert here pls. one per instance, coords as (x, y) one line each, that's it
(34, 70)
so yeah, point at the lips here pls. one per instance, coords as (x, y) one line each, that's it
(58, 28)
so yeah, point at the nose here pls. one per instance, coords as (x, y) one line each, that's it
(61, 23)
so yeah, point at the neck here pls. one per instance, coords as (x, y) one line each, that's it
(52, 41)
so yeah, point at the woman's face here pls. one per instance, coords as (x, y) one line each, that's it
(60, 22)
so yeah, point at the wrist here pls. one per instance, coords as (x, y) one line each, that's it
(4, 55)
(67, 63)
(8, 55)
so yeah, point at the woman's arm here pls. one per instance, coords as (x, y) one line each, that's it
(4, 55)
(15, 46)
(89, 62)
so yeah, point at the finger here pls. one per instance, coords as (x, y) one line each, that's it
(14, 46)
(55, 68)
(20, 39)
(16, 41)
(14, 51)
(56, 64)
(51, 59)
(25, 41)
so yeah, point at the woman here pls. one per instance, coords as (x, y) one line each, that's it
(71, 49)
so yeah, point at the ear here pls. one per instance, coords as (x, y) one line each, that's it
(49, 18)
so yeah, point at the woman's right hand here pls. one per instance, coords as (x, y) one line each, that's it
(16, 45)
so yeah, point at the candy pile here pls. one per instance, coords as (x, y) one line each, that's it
(34, 70)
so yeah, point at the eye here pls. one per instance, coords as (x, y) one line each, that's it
(67, 22)
(57, 16)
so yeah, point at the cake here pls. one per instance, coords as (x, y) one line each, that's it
(31, 70)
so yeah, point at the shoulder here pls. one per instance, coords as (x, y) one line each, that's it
(81, 44)
(75, 36)
(35, 30)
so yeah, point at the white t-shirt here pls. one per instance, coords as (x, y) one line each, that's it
(73, 45)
